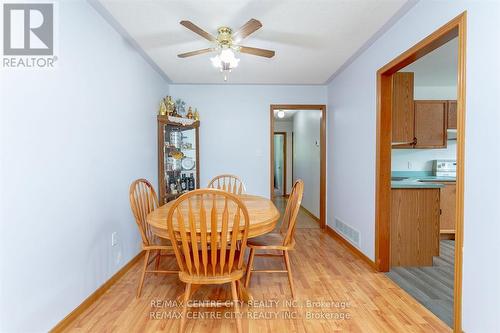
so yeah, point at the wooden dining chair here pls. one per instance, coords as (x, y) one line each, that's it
(205, 226)
(282, 241)
(229, 183)
(143, 200)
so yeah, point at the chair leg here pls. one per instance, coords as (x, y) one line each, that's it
(239, 285)
(187, 294)
(249, 267)
(157, 265)
(289, 270)
(144, 267)
(236, 305)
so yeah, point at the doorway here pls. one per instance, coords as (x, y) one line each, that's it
(280, 164)
(313, 171)
(456, 28)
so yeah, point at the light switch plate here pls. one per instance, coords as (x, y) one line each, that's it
(114, 239)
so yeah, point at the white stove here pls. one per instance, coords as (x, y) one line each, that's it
(444, 168)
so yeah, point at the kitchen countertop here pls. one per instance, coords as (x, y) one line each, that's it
(418, 180)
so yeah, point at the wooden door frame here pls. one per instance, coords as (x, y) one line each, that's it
(322, 173)
(284, 160)
(452, 29)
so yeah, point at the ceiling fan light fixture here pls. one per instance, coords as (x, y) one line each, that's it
(226, 43)
(225, 60)
(227, 55)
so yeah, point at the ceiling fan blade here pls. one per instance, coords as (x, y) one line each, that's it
(257, 52)
(197, 30)
(247, 29)
(193, 53)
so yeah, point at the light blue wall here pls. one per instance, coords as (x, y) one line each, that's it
(235, 126)
(71, 140)
(421, 159)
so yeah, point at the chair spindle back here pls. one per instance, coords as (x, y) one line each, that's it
(143, 200)
(228, 183)
(209, 223)
(291, 211)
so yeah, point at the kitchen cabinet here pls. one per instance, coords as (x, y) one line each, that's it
(431, 123)
(403, 110)
(414, 234)
(448, 210)
(452, 115)
(419, 124)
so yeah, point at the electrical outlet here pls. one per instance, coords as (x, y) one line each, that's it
(114, 239)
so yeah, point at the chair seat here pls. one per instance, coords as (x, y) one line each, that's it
(270, 239)
(210, 278)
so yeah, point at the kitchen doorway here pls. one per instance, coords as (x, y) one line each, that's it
(456, 28)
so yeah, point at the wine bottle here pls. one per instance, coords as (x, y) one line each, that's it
(184, 183)
(191, 185)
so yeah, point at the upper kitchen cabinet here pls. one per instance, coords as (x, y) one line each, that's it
(419, 124)
(403, 110)
(452, 114)
(431, 118)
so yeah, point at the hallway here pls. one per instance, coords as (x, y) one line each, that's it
(304, 218)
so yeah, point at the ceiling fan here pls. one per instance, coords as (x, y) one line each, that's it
(226, 43)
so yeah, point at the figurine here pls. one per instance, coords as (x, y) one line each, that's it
(174, 112)
(190, 113)
(181, 107)
(163, 109)
(169, 103)
(196, 115)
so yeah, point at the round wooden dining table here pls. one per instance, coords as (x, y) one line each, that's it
(262, 213)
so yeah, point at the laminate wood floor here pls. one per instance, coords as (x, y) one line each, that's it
(304, 220)
(431, 286)
(351, 298)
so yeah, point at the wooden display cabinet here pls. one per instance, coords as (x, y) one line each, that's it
(178, 156)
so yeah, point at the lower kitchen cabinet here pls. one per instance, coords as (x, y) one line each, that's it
(415, 227)
(448, 206)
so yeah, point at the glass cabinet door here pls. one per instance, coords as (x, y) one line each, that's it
(179, 160)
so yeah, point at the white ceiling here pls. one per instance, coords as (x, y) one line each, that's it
(312, 39)
(438, 68)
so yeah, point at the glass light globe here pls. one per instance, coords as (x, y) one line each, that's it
(216, 62)
(226, 55)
